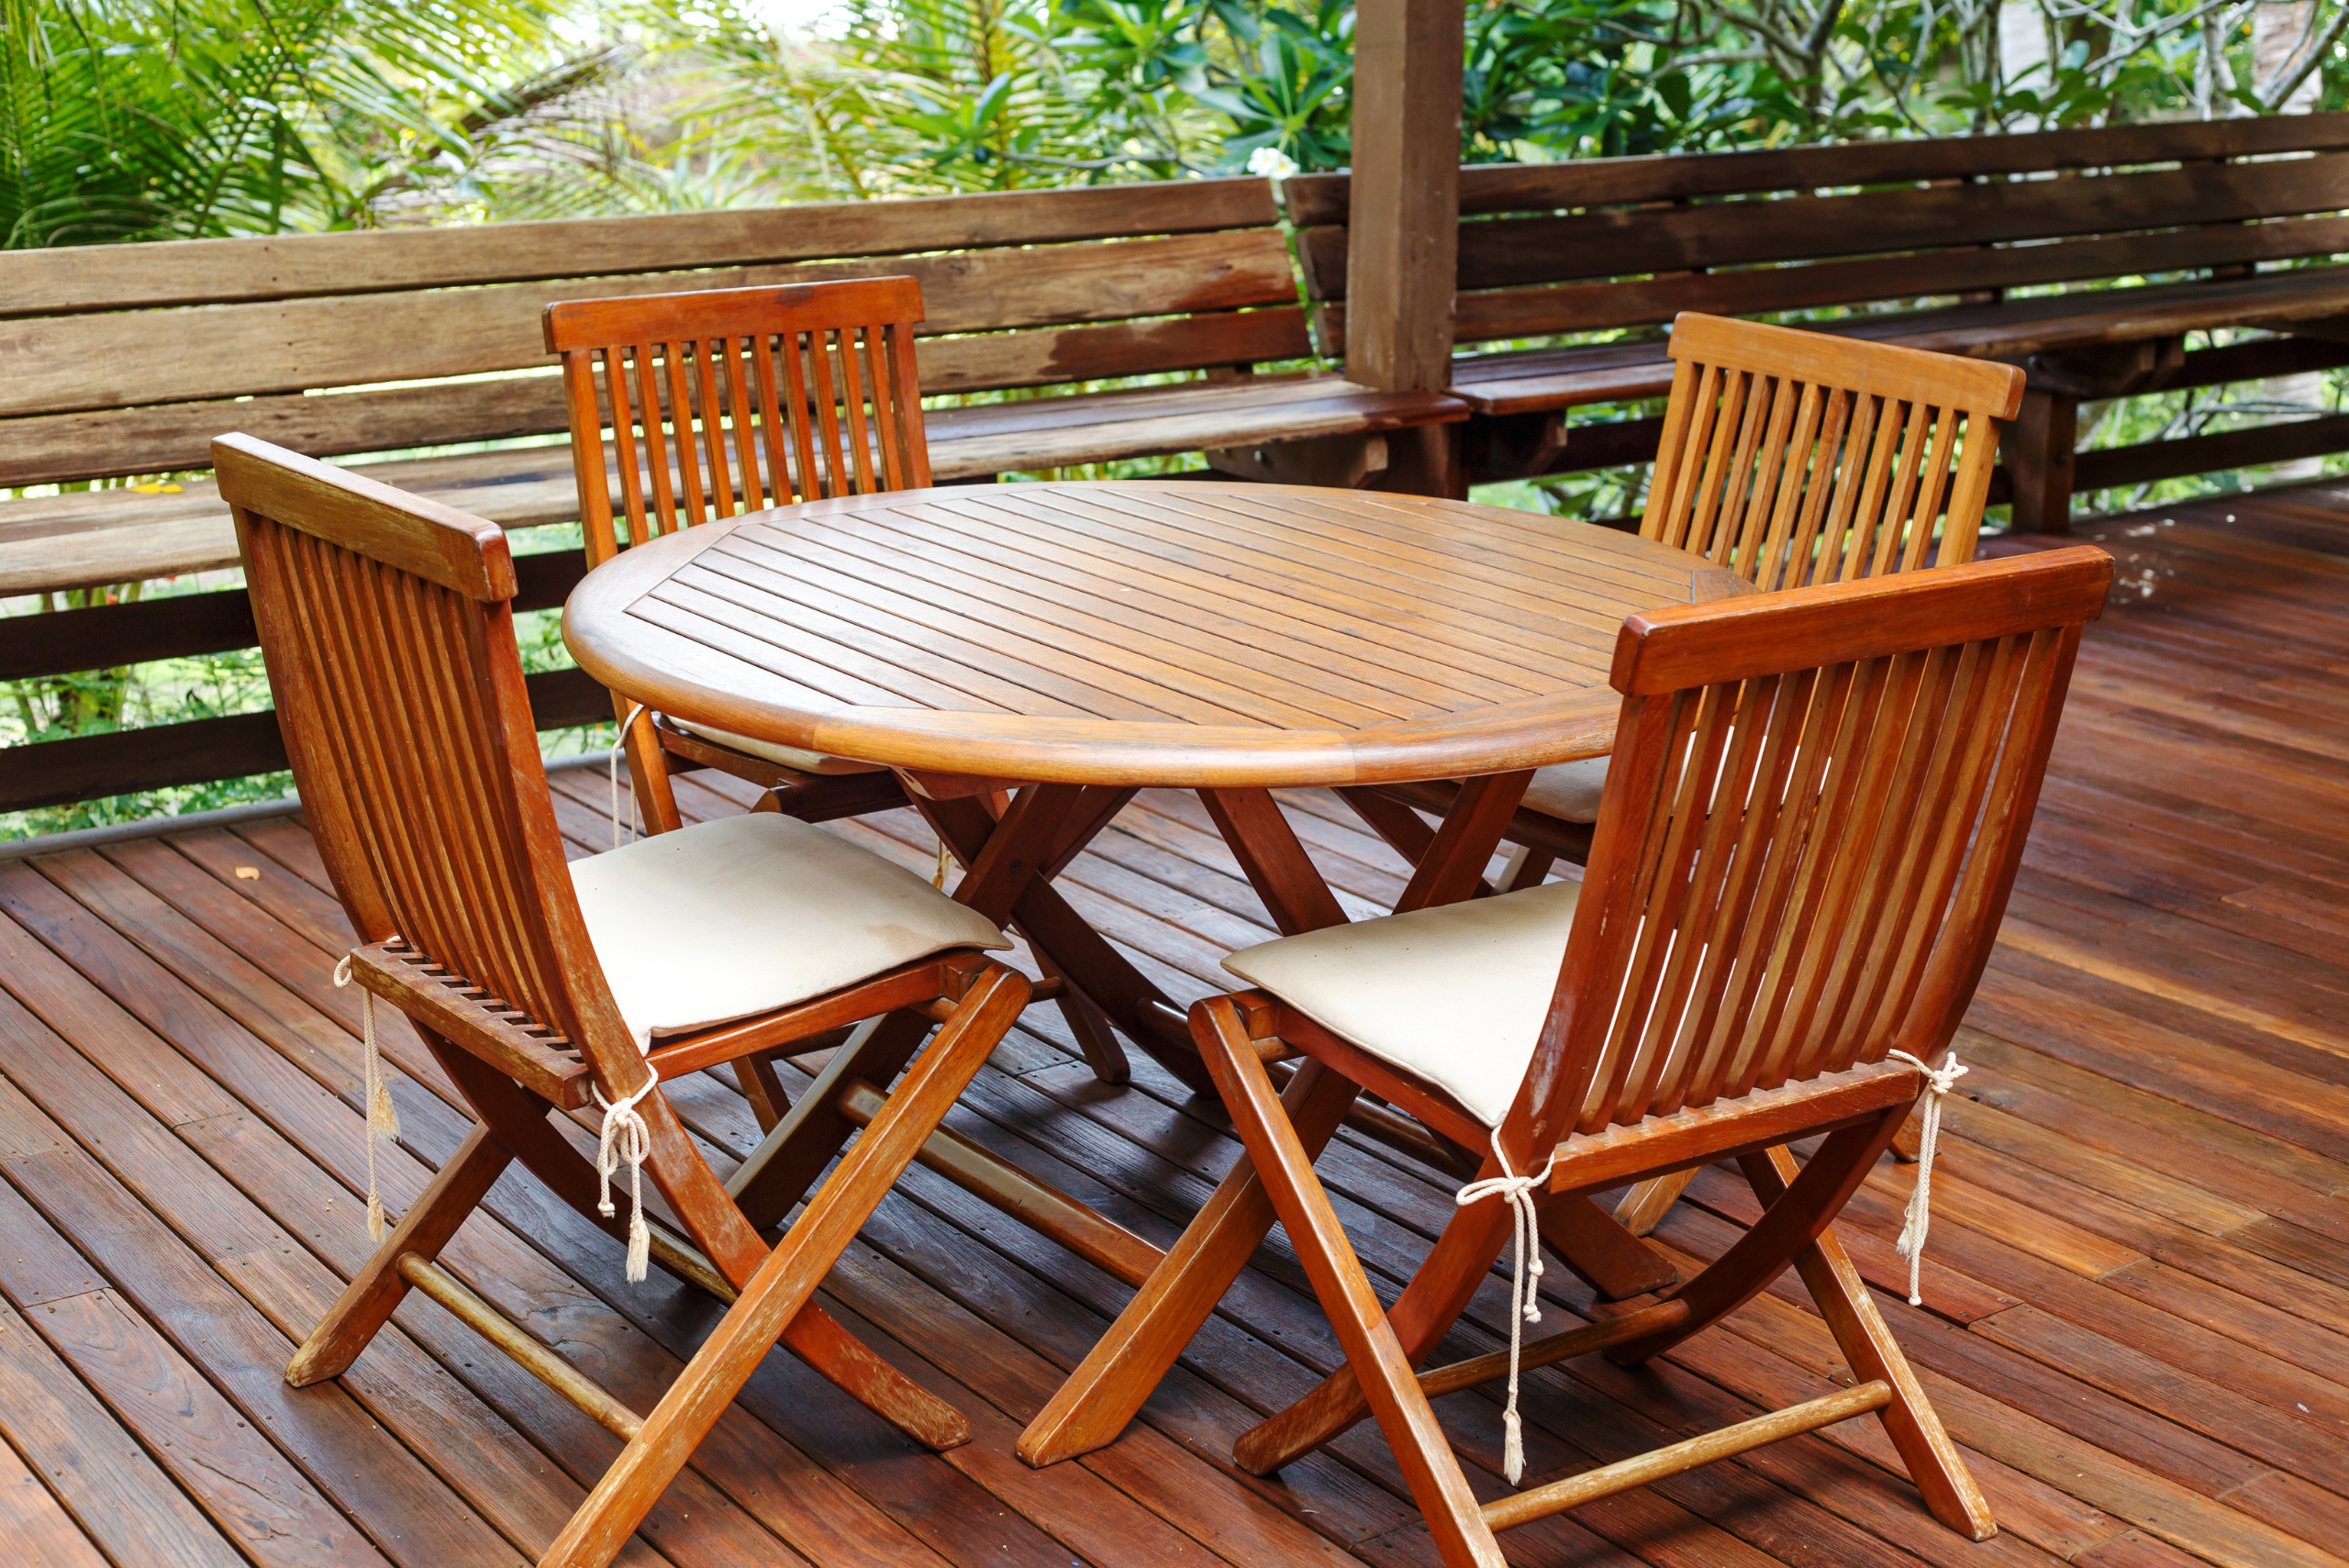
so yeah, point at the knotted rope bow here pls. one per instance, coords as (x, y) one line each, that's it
(618, 746)
(383, 1119)
(1939, 1081)
(1525, 1279)
(624, 1135)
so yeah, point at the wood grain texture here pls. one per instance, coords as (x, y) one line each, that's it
(1136, 632)
(117, 359)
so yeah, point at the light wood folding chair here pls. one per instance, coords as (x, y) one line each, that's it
(714, 404)
(710, 405)
(387, 626)
(1808, 836)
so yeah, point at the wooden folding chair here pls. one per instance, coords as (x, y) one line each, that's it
(1808, 831)
(714, 404)
(387, 626)
(1791, 458)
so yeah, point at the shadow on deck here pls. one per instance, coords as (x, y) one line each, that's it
(2137, 1303)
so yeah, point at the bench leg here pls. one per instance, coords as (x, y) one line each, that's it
(2038, 449)
(1425, 461)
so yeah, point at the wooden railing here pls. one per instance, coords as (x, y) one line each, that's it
(33, 647)
(160, 756)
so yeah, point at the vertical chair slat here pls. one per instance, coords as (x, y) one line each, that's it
(624, 437)
(853, 394)
(683, 447)
(710, 424)
(742, 409)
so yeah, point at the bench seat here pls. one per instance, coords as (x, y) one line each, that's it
(1533, 381)
(120, 535)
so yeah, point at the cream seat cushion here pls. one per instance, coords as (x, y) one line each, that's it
(1455, 997)
(781, 756)
(1568, 791)
(747, 914)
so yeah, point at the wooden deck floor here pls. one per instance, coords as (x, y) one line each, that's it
(2137, 1317)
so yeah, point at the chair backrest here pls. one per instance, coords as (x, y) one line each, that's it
(1795, 458)
(726, 401)
(1811, 823)
(387, 626)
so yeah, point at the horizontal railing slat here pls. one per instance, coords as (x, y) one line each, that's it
(163, 756)
(122, 358)
(1659, 177)
(205, 272)
(65, 642)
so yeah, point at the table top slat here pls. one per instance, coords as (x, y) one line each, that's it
(1051, 581)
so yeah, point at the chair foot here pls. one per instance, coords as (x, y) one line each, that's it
(782, 1292)
(368, 1302)
(1456, 1521)
(1872, 1353)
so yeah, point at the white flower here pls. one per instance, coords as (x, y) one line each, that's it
(1272, 162)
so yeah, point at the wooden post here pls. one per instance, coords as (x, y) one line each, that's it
(1405, 221)
(2038, 449)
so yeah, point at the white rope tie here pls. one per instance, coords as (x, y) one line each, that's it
(624, 1135)
(1524, 1283)
(383, 1119)
(1939, 1081)
(945, 864)
(618, 746)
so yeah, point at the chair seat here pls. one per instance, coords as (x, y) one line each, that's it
(781, 756)
(743, 915)
(1455, 997)
(1568, 791)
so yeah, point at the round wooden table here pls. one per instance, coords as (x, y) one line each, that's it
(1139, 632)
(1082, 641)
(1089, 640)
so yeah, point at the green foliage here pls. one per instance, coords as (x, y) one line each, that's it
(162, 119)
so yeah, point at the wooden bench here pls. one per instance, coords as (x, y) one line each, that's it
(128, 359)
(1941, 238)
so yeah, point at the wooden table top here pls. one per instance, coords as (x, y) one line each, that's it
(1139, 632)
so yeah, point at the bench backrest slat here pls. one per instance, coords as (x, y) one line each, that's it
(123, 358)
(1316, 199)
(103, 443)
(213, 271)
(1622, 242)
(1594, 307)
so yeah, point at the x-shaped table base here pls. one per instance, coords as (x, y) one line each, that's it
(1011, 863)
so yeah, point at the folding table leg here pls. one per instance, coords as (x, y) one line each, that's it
(1115, 1381)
